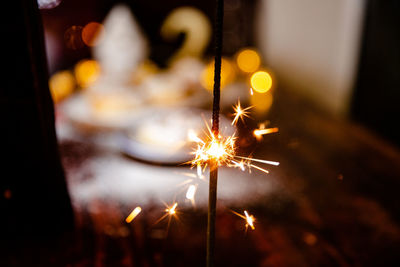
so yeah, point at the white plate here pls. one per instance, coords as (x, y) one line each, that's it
(159, 135)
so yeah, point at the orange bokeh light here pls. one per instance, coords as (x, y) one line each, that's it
(261, 81)
(227, 74)
(92, 33)
(86, 72)
(61, 85)
(248, 60)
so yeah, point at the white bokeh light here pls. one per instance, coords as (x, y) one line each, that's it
(48, 4)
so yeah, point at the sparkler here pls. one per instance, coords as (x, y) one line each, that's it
(216, 150)
(221, 151)
(212, 191)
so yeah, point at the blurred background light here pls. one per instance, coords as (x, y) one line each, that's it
(227, 74)
(61, 85)
(261, 81)
(313, 47)
(48, 4)
(92, 33)
(73, 37)
(86, 72)
(261, 102)
(144, 70)
(196, 27)
(248, 60)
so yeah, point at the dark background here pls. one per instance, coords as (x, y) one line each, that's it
(376, 101)
(150, 16)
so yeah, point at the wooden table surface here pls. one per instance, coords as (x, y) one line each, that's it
(336, 204)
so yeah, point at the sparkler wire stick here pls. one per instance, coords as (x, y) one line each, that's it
(212, 198)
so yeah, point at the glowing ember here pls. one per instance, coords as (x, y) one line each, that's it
(216, 150)
(275, 163)
(191, 192)
(239, 164)
(192, 136)
(172, 210)
(250, 220)
(199, 171)
(133, 214)
(240, 113)
(258, 133)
